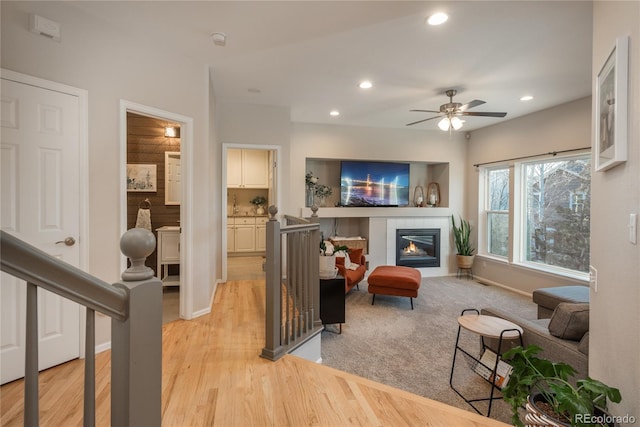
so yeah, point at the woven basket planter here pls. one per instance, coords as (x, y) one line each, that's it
(536, 418)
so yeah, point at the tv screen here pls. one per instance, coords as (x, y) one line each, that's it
(365, 183)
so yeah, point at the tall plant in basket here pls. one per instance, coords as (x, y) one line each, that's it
(462, 238)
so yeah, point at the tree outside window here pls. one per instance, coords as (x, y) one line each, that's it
(557, 196)
(498, 211)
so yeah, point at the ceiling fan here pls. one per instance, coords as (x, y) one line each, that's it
(451, 110)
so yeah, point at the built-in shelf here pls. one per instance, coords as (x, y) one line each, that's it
(386, 212)
(421, 174)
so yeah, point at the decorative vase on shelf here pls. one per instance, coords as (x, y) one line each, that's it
(309, 196)
(260, 210)
(418, 196)
(433, 195)
(323, 201)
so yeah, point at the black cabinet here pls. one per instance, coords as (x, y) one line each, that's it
(332, 301)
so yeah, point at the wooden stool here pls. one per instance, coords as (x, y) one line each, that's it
(394, 280)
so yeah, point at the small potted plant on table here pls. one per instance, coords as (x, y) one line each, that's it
(550, 398)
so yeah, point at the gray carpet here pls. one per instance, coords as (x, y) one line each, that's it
(413, 350)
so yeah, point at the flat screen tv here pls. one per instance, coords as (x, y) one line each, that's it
(365, 183)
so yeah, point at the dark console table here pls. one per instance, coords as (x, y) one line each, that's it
(332, 301)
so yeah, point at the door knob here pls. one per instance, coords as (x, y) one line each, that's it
(69, 241)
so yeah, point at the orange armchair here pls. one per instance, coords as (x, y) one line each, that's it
(352, 277)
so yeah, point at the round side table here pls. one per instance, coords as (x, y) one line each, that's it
(486, 327)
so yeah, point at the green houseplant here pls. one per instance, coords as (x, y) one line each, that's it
(535, 379)
(259, 202)
(462, 238)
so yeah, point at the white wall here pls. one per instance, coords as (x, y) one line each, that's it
(112, 66)
(564, 127)
(614, 346)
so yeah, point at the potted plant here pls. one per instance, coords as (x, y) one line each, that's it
(462, 236)
(323, 191)
(259, 203)
(550, 398)
(327, 262)
(310, 182)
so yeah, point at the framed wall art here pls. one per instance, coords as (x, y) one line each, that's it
(611, 108)
(141, 177)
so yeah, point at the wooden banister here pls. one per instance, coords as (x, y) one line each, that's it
(135, 307)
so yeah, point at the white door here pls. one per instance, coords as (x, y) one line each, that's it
(173, 180)
(40, 204)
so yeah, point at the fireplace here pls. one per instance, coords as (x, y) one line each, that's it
(418, 247)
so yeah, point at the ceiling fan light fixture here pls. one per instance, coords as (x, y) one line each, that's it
(437, 18)
(444, 124)
(450, 122)
(456, 123)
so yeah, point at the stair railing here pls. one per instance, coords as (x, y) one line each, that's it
(135, 307)
(292, 284)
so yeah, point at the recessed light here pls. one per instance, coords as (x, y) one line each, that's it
(437, 18)
(334, 113)
(366, 84)
(526, 98)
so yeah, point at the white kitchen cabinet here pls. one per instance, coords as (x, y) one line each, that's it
(168, 254)
(245, 236)
(241, 234)
(261, 233)
(247, 168)
(231, 236)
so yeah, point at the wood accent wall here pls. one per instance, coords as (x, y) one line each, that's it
(146, 144)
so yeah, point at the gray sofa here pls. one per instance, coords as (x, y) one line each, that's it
(574, 351)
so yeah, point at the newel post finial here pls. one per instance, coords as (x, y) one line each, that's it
(137, 244)
(273, 210)
(314, 210)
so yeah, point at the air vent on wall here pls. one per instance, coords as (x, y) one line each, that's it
(44, 27)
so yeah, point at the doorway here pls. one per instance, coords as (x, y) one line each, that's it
(249, 186)
(156, 173)
(153, 198)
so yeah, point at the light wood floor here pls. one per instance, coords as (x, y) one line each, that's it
(213, 376)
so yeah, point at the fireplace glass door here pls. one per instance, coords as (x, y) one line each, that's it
(418, 247)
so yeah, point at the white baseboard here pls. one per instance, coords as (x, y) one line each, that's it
(103, 347)
(500, 285)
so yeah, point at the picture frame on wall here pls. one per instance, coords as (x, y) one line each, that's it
(610, 115)
(142, 178)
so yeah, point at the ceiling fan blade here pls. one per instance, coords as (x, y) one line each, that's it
(482, 114)
(423, 120)
(471, 104)
(426, 111)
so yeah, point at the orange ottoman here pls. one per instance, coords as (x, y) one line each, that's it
(394, 280)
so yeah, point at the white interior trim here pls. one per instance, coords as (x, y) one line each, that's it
(186, 206)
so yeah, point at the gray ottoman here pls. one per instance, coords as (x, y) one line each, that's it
(548, 298)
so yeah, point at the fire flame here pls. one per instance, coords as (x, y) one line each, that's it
(411, 248)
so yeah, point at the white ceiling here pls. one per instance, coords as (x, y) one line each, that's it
(310, 55)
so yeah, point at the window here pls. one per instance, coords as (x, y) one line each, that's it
(497, 209)
(547, 226)
(556, 205)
